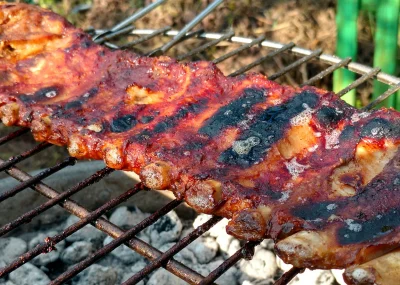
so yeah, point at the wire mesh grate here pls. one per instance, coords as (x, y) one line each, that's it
(157, 258)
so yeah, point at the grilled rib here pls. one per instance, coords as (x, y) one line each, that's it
(382, 271)
(296, 165)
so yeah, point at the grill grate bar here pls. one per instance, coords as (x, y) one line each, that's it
(247, 252)
(134, 243)
(136, 16)
(295, 64)
(112, 230)
(13, 135)
(115, 243)
(117, 33)
(382, 97)
(158, 51)
(327, 71)
(145, 38)
(254, 42)
(14, 160)
(50, 242)
(190, 25)
(50, 203)
(172, 251)
(46, 173)
(325, 58)
(201, 48)
(262, 59)
(289, 275)
(110, 45)
(178, 269)
(359, 81)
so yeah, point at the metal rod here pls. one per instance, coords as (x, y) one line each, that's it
(115, 243)
(112, 35)
(295, 64)
(382, 97)
(50, 203)
(172, 251)
(238, 50)
(45, 173)
(288, 276)
(247, 252)
(14, 160)
(158, 51)
(136, 16)
(110, 45)
(359, 81)
(13, 135)
(262, 59)
(50, 242)
(190, 25)
(325, 58)
(145, 38)
(141, 247)
(327, 71)
(206, 46)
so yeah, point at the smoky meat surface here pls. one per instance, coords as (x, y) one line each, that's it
(297, 165)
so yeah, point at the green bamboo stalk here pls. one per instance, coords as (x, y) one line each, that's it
(346, 22)
(369, 5)
(387, 23)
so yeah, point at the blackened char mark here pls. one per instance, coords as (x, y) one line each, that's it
(328, 116)
(146, 119)
(316, 211)
(73, 105)
(42, 94)
(64, 111)
(86, 42)
(385, 215)
(379, 128)
(348, 133)
(268, 128)
(359, 231)
(233, 113)
(122, 124)
(172, 121)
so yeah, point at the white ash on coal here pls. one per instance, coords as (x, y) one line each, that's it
(167, 229)
(29, 274)
(77, 252)
(127, 217)
(124, 253)
(203, 255)
(97, 274)
(11, 248)
(87, 233)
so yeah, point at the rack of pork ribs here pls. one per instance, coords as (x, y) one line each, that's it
(297, 165)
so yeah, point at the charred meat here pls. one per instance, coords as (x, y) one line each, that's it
(298, 165)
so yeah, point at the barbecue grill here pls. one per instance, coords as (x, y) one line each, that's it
(160, 259)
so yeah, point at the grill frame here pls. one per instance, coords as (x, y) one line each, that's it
(157, 258)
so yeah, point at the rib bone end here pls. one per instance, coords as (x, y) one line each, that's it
(381, 270)
(248, 225)
(9, 114)
(204, 196)
(303, 249)
(156, 175)
(360, 276)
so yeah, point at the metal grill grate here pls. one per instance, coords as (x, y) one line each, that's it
(159, 259)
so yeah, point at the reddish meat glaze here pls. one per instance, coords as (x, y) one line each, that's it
(297, 165)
